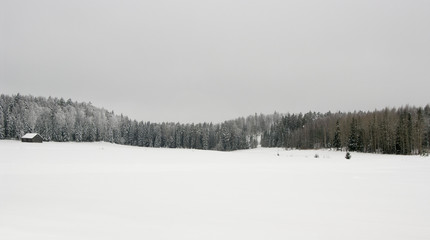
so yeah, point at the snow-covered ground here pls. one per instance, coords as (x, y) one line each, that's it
(105, 191)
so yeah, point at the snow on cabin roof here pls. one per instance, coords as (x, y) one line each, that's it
(30, 135)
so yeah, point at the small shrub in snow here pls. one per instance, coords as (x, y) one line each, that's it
(316, 155)
(348, 155)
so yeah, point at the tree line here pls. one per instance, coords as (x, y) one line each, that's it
(404, 130)
(56, 119)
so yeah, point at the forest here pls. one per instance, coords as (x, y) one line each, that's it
(56, 119)
(405, 130)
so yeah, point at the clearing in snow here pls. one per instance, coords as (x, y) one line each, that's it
(106, 191)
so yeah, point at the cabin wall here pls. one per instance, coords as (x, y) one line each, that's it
(36, 139)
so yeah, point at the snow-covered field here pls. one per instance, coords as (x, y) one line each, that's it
(105, 191)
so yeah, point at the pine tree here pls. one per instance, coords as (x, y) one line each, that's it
(337, 143)
(419, 126)
(2, 120)
(205, 138)
(157, 136)
(353, 136)
(226, 138)
(348, 155)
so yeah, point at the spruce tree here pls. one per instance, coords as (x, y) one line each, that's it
(419, 125)
(337, 143)
(353, 136)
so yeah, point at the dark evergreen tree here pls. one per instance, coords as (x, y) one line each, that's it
(337, 142)
(348, 155)
(353, 136)
(419, 131)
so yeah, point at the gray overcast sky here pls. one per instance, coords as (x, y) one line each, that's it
(196, 60)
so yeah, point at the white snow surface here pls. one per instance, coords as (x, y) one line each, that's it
(106, 191)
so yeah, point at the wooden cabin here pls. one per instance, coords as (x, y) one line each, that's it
(32, 137)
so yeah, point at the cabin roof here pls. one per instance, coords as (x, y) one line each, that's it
(30, 135)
